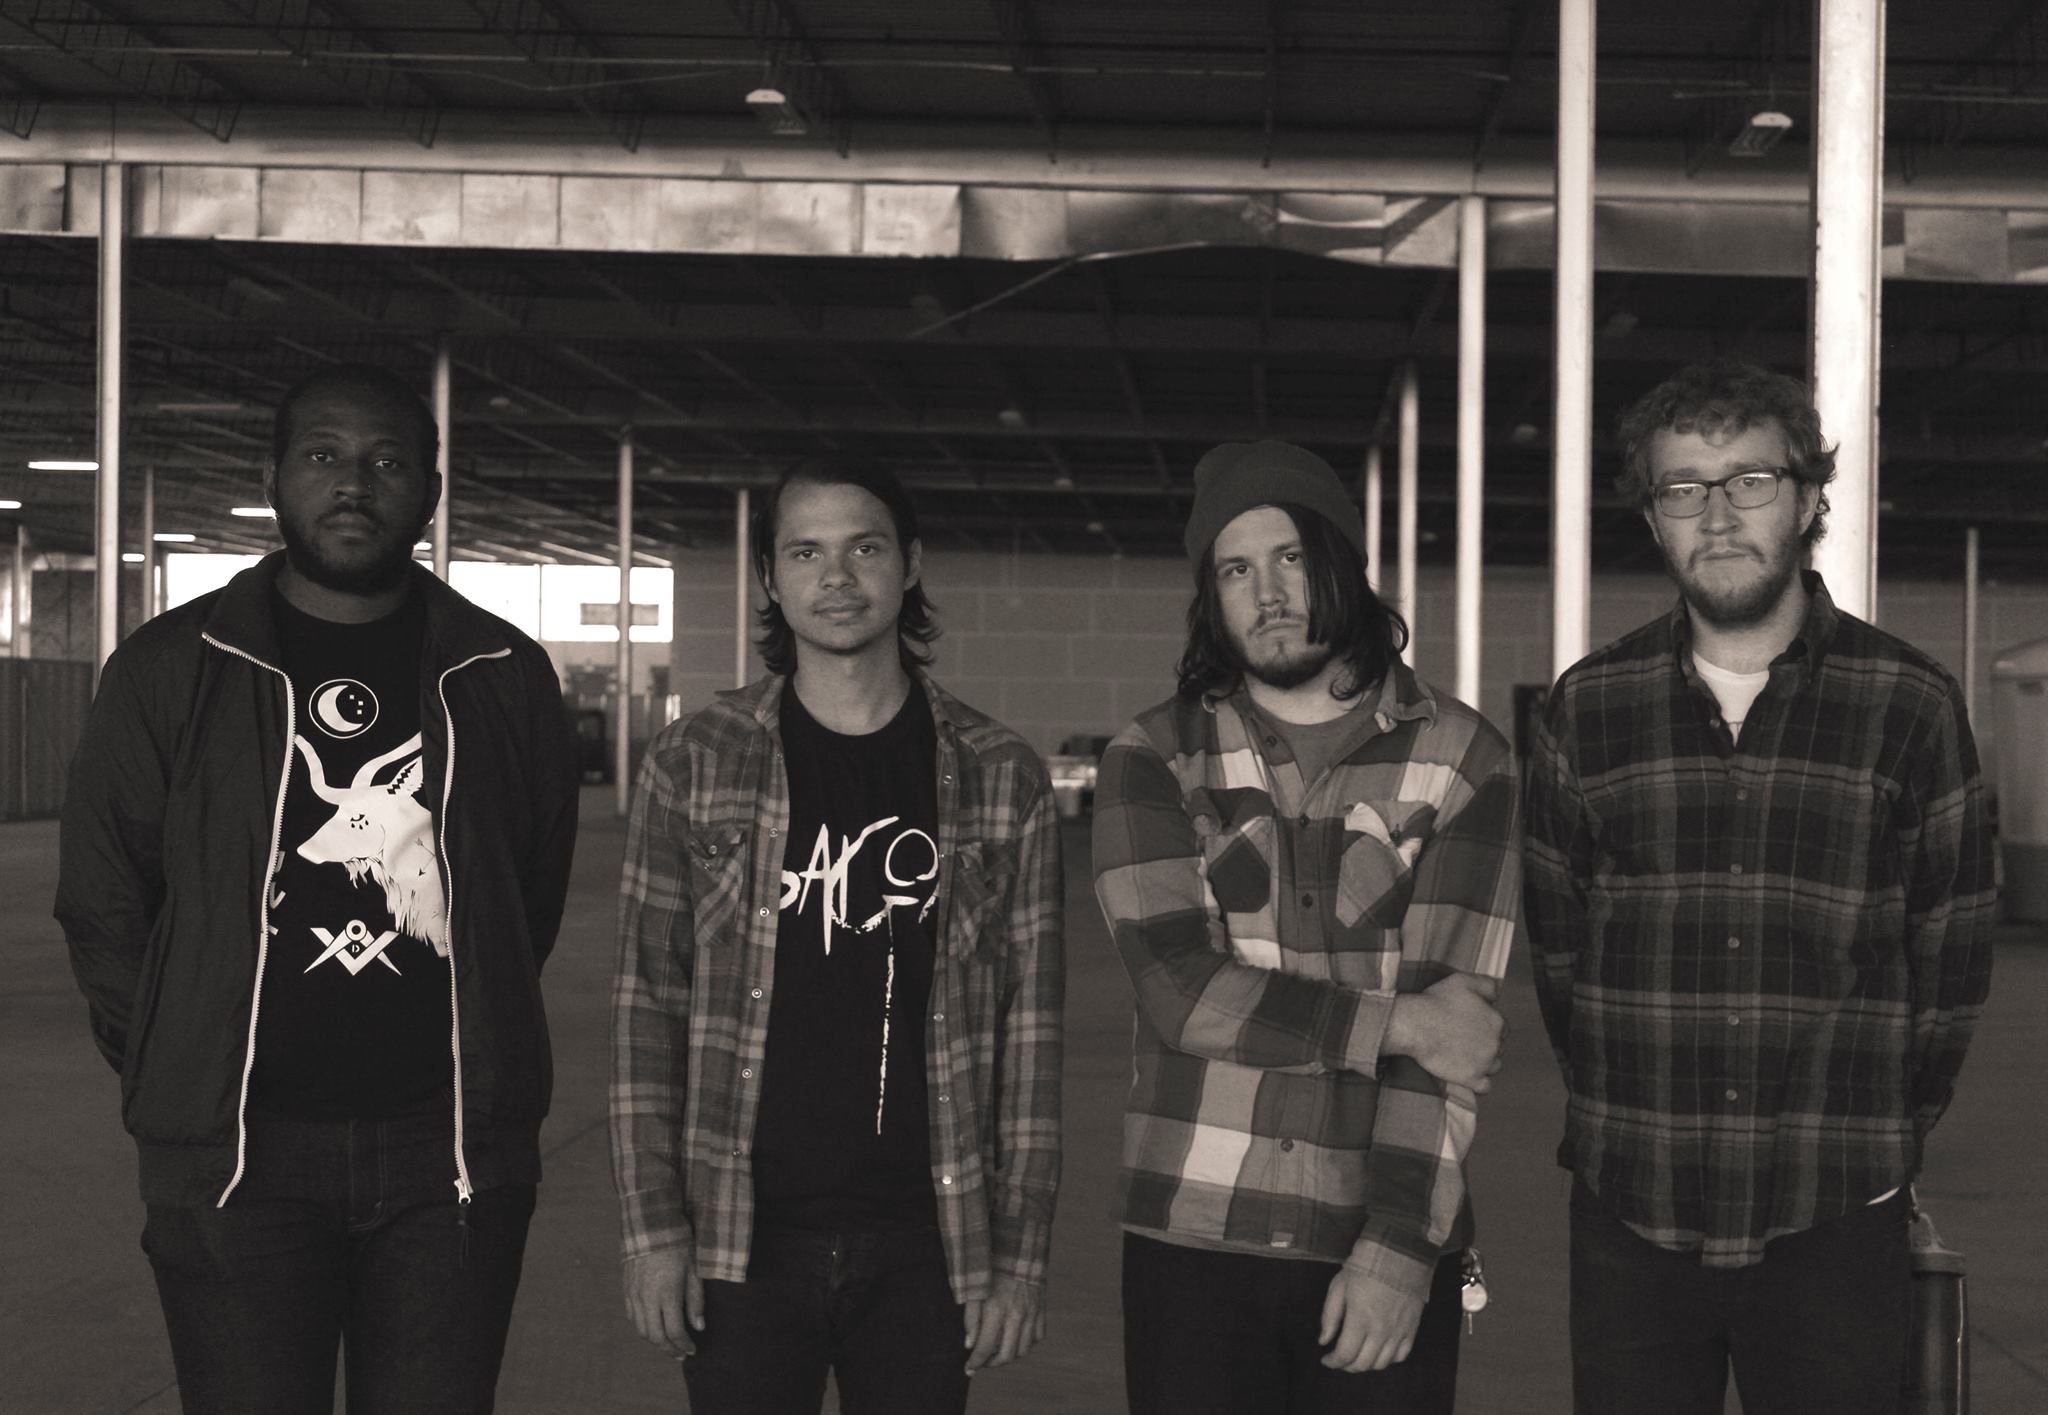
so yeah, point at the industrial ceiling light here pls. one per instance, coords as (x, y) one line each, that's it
(263, 513)
(176, 537)
(10, 505)
(131, 557)
(782, 118)
(58, 466)
(1763, 131)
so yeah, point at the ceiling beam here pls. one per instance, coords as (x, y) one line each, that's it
(1520, 21)
(91, 35)
(328, 39)
(1020, 45)
(796, 68)
(569, 60)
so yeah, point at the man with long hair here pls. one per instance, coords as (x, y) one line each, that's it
(311, 930)
(1306, 858)
(1759, 896)
(836, 1029)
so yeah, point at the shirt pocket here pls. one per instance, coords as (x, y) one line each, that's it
(979, 883)
(1376, 871)
(1237, 859)
(718, 880)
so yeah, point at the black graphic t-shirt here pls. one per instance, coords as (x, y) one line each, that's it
(354, 1019)
(842, 1138)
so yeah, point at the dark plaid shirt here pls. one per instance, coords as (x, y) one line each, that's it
(1760, 964)
(696, 977)
(1267, 923)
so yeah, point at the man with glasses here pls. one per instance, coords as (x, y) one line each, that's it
(1759, 888)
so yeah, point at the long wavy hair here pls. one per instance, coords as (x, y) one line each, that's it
(1363, 632)
(915, 625)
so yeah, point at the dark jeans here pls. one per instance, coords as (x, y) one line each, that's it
(341, 1232)
(1817, 1328)
(873, 1307)
(1209, 1333)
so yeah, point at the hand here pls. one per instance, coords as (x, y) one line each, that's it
(665, 1298)
(1451, 1029)
(1005, 1326)
(1372, 1324)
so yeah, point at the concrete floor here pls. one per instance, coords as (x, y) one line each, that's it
(80, 1333)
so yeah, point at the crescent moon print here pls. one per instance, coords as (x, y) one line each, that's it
(342, 707)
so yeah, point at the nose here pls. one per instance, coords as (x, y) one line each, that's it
(835, 570)
(356, 478)
(1720, 513)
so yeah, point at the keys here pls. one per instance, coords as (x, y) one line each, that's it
(1472, 1290)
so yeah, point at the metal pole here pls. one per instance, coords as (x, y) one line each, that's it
(742, 586)
(1848, 199)
(1471, 435)
(1375, 494)
(622, 750)
(23, 590)
(1571, 444)
(1970, 582)
(444, 426)
(149, 554)
(107, 522)
(1404, 512)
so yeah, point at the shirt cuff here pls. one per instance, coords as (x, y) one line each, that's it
(1395, 1258)
(1368, 1033)
(1020, 1247)
(651, 1222)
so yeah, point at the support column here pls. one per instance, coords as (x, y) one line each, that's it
(1471, 436)
(1375, 494)
(24, 591)
(1404, 512)
(1571, 439)
(1848, 201)
(622, 749)
(149, 551)
(1971, 571)
(742, 584)
(444, 426)
(107, 484)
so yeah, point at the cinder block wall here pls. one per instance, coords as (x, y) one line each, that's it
(1062, 645)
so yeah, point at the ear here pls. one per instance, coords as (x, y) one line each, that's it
(1656, 530)
(913, 564)
(1809, 504)
(270, 482)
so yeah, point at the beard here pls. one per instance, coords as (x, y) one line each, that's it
(1279, 667)
(373, 568)
(1743, 605)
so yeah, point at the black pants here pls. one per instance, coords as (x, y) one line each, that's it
(873, 1307)
(1817, 1328)
(341, 1232)
(1208, 1333)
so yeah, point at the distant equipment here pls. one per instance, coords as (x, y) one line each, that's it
(778, 115)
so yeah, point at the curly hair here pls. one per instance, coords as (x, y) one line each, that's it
(1724, 398)
(915, 627)
(1361, 628)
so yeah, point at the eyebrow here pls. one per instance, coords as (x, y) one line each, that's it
(848, 537)
(1694, 474)
(320, 430)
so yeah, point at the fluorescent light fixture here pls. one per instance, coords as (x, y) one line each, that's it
(50, 466)
(131, 557)
(1760, 134)
(254, 513)
(215, 406)
(778, 115)
(177, 537)
(425, 545)
(10, 505)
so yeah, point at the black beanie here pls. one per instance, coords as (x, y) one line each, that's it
(1230, 480)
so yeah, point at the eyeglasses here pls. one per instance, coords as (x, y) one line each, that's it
(1746, 491)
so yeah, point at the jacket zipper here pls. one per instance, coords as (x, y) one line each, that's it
(463, 1191)
(291, 730)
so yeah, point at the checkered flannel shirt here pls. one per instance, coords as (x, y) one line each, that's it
(1759, 964)
(1267, 924)
(696, 976)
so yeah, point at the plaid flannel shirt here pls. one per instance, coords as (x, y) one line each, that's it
(1267, 924)
(696, 977)
(1759, 963)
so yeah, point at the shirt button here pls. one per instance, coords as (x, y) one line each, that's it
(1729, 1093)
(938, 1017)
(764, 912)
(945, 1100)
(946, 1179)
(1735, 943)
(746, 1073)
(773, 832)
(1713, 722)
(1742, 793)
(757, 992)
(1272, 741)
(735, 1154)
(1301, 821)
(1287, 1144)
(1734, 1020)
(1308, 901)
(1732, 869)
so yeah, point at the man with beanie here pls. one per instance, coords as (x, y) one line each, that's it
(1308, 863)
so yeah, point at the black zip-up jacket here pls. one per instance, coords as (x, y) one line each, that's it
(170, 825)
